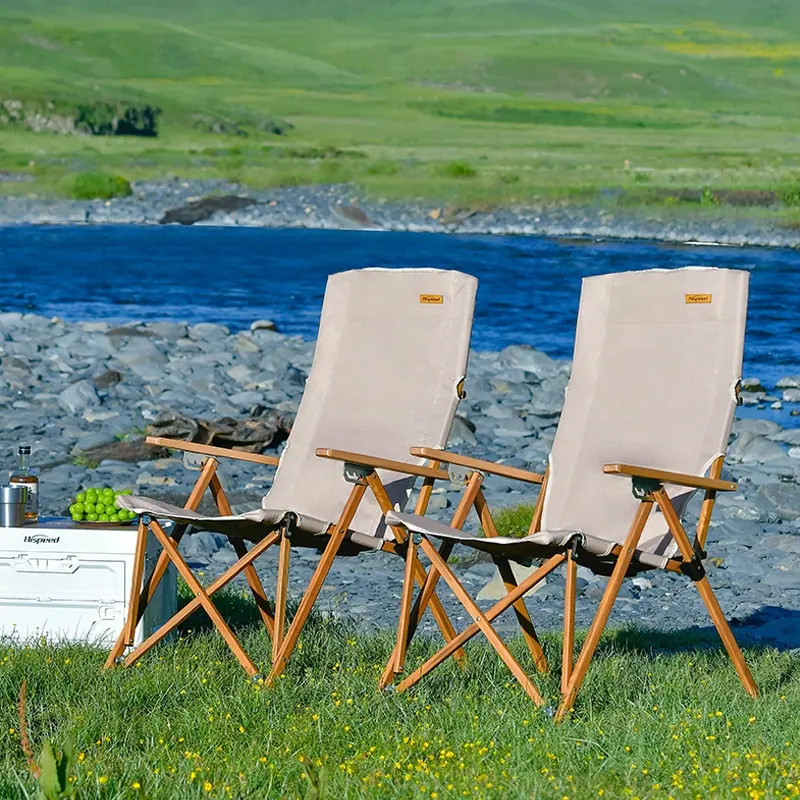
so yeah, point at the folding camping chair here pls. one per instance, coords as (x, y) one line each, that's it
(388, 370)
(651, 398)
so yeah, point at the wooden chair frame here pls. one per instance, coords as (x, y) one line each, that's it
(648, 487)
(274, 621)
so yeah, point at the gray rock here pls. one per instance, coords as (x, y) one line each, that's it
(91, 440)
(201, 544)
(782, 498)
(79, 396)
(171, 331)
(205, 331)
(148, 479)
(438, 502)
(462, 431)
(786, 543)
(246, 399)
(790, 436)
(790, 382)
(245, 344)
(263, 325)
(752, 385)
(497, 411)
(107, 379)
(140, 351)
(755, 426)
(524, 357)
(513, 428)
(750, 447)
(791, 395)
(239, 373)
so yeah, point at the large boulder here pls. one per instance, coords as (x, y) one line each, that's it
(200, 210)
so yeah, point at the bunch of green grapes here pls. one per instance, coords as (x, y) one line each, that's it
(99, 505)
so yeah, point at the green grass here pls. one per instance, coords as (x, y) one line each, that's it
(514, 521)
(658, 717)
(538, 101)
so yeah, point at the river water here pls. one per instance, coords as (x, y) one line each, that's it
(528, 293)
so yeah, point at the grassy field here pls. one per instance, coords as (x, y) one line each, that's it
(477, 102)
(658, 718)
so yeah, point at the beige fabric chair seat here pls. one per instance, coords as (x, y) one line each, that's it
(524, 550)
(252, 525)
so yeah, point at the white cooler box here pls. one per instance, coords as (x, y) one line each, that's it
(72, 583)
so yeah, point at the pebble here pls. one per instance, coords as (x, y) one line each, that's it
(321, 207)
(52, 399)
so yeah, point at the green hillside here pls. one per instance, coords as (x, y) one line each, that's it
(531, 99)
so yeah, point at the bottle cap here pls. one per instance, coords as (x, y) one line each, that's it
(24, 450)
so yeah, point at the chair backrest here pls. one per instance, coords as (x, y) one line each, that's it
(658, 354)
(390, 357)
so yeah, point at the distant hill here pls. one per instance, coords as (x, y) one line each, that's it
(393, 76)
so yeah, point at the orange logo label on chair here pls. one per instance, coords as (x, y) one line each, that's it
(697, 298)
(431, 299)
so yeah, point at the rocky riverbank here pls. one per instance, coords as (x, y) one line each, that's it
(340, 206)
(74, 391)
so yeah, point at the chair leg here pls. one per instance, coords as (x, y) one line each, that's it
(281, 590)
(507, 576)
(250, 574)
(223, 580)
(604, 609)
(136, 584)
(481, 621)
(707, 593)
(147, 594)
(726, 634)
(201, 484)
(405, 608)
(256, 587)
(471, 631)
(425, 597)
(523, 617)
(209, 607)
(440, 616)
(568, 646)
(317, 580)
(420, 576)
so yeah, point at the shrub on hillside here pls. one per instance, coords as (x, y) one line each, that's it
(99, 186)
(383, 168)
(457, 169)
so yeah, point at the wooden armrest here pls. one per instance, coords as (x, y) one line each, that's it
(383, 463)
(208, 450)
(674, 478)
(477, 464)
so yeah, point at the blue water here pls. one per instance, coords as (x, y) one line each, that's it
(529, 287)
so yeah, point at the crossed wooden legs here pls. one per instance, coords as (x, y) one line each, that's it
(482, 623)
(414, 568)
(282, 646)
(410, 617)
(659, 496)
(139, 599)
(571, 677)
